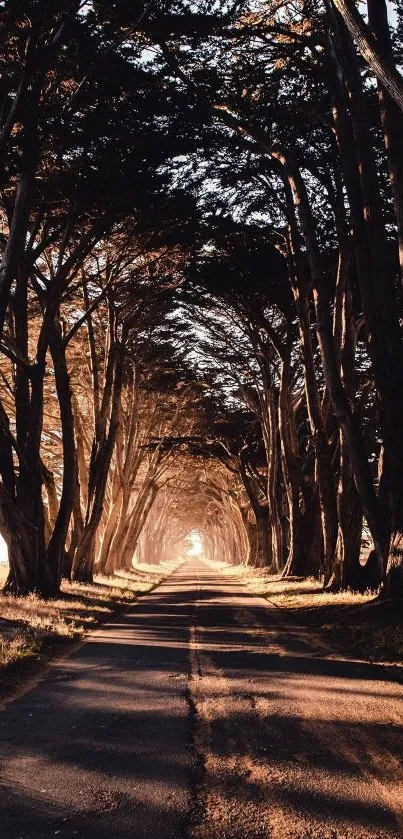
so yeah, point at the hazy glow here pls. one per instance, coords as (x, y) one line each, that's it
(195, 542)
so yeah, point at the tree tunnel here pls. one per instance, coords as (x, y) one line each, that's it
(200, 291)
(194, 521)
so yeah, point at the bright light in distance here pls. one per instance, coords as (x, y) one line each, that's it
(3, 552)
(195, 542)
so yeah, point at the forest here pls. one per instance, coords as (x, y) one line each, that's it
(201, 288)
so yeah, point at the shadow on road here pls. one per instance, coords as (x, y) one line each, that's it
(102, 746)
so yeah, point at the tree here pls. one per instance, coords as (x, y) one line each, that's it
(381, 62)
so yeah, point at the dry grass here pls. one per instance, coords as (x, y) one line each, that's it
(295, 593)
(30, 626)
(360, 624)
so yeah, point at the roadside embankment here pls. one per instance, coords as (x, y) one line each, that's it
(361, 624)
(33, 630)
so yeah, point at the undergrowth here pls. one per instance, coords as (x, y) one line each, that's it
(359, 624)
(29, 625)
(378, 643)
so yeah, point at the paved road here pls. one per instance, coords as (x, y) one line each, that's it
(204, 713)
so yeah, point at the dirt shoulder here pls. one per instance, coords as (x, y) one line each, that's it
(361, 625)
(33, 632)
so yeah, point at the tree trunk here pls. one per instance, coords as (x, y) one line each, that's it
(109, 532)
(77, 529)
(323, 461)
(113, 556)
(381, 64)
(53, 505)
(57, 545)
(291, 470)
(29, 488)
(16, 239)
(83, 562)
(263, 541)
(380, 304)
(129, 539)
(346, 572)
(18, 536)
(391, 117)
(273, 488)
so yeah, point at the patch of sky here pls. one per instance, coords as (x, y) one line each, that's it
(392, 10)
(3, 552)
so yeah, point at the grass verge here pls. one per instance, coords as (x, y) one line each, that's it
(33, 631)
(358, 624)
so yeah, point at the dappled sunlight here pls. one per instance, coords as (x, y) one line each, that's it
(293, 593)
(27, 623)
(284, 728)
(281, 726)
(201, 419)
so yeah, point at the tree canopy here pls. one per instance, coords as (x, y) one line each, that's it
(201, 287)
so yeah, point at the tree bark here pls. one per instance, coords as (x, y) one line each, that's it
(391, 117)
(379, 298)
(385, 70)
(291, 470)
(57, 544)
(83, 562)
(17, 534)
(324, 469)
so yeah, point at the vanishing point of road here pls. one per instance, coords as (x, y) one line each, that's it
(204, 712)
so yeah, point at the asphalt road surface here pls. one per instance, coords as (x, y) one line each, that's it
(204, 712)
